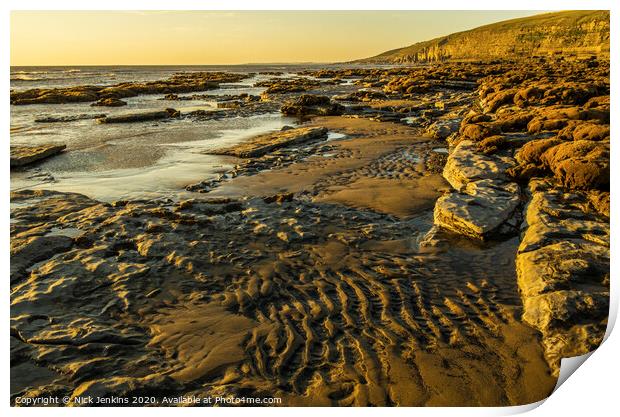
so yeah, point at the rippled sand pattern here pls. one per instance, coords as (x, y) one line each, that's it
(259, 300)
(312, 295)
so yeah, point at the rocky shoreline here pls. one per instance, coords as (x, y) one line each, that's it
(427, 236)
(526, 126)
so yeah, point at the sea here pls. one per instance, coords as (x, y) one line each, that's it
(138, 160)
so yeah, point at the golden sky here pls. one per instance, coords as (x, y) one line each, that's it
(221, 37)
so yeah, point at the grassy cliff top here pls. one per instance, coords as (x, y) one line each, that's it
(586, 30)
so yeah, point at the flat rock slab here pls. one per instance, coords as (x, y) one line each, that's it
(263, 144)
(73, 118)
(466, 164)
(480, 211)
(24, 155)
(139, 117)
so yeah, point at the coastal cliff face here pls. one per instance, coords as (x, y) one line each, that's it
(583, 32)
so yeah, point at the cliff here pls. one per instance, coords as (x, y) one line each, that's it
(580, 33)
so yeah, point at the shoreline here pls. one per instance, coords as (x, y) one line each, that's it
(340, 272)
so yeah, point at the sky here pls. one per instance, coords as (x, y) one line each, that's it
(222, 37)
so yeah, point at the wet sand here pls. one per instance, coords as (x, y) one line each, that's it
(437, 328)
(305, 281)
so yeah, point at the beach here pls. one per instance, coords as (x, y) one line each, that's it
(348, 236)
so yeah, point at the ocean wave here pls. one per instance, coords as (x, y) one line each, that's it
(64, 71)
(27, 78)
(53, 75)
(29, 72)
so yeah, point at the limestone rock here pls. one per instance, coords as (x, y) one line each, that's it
(582, 164)
(564, 308)
(177, 83)
(492, 144)
(563, 271)
(441, 129)
(36, 249)
(561, 266)
(600, 201)
(533, 150)
(110, 102)
(287, 85)
(478, 131)
(465, 164)
(585, 131)
(263, 144)
(308, 104)
(24, 155)
(494, 101)
(72, 118)
(361, 95)
(574, 341)
(480, 211)
(559, 33)
(140, 117)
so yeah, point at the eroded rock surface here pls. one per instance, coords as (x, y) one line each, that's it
(297, 290)
(178, 83)
(109, 102)
(441, 129)
(308, 104)
(548, 128)
(483, 209)
(140, 117)
(465, 164)
(260, 145)
(563, 271)
(484, 201)
(25, 155)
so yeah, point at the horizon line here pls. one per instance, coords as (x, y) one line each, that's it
(187, 65)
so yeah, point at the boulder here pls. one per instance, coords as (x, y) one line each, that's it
(263, 144)
(581, 164)
(441, 129)
(465, 164)
(476, 118)
(308, 104)
(513, 122)
(140, 117)
(498, 99)
(585, 131)
(109, 102)
(533, 150)
(484, 209)
(529, 95)
(539, 124)
(478, 131)
(492, 144)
